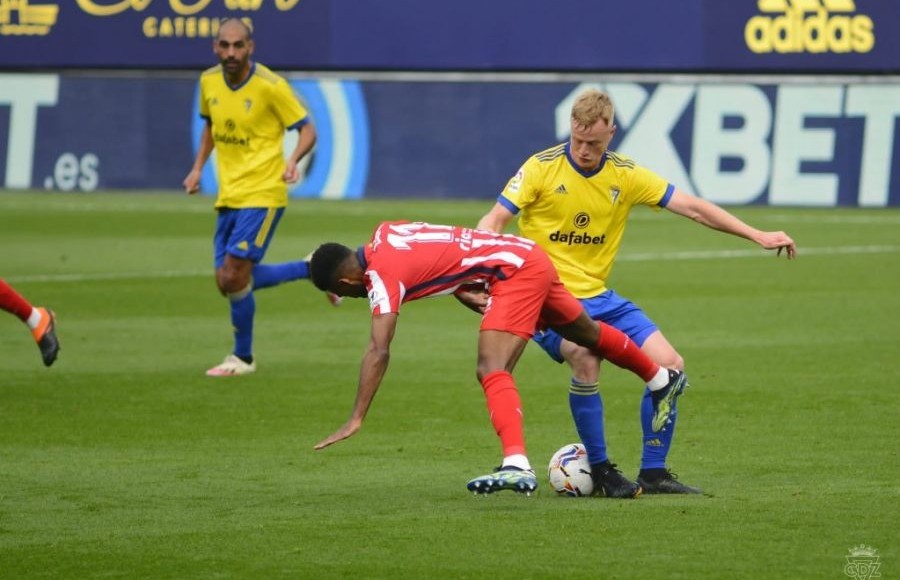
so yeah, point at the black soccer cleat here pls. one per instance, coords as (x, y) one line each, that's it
(609, 482)
(664, 482)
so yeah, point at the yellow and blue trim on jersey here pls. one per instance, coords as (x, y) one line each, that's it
(579, 217)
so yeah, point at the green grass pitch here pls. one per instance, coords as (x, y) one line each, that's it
(124, 461)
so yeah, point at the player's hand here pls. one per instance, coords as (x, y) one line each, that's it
(291, 173)
(781, 242)
(191, 183)
(349, 429)
(474, 296)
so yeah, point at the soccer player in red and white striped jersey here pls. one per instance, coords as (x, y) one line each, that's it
(406, 261)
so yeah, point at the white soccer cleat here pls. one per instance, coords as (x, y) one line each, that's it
(512, 478)
(230, 367)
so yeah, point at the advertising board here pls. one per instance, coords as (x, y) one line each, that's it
(836, 36)
(735, 141)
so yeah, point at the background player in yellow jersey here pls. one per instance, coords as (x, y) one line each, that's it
(247, 110)
(574, 200)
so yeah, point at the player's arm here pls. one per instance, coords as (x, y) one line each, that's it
(374, 365)
(712, 216)
(305, 142)
(495, 220)
(192, 181)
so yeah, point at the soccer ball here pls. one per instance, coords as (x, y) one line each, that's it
(570, 472)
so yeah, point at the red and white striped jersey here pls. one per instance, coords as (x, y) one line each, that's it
(406, 261)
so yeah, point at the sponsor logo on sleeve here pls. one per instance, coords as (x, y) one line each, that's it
(516, 182)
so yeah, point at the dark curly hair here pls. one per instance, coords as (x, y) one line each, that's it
(325, 265)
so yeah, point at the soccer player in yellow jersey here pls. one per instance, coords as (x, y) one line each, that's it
(247, 110)
(574, 200)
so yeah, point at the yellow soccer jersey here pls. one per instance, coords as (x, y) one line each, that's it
(579, 218)
(248, 124)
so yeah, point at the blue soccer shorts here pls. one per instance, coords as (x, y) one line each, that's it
(245, 233)
(610, 308)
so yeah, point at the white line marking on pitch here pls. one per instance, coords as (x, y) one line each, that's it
(643, 257)
(100, 276)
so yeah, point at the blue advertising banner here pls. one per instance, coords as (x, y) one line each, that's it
(736, 141)
(839, 36)
(84, 133)
(137, 34)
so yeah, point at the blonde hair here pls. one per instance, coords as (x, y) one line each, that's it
(591, 106)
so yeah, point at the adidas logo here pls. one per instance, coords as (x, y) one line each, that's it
(813, 26)
(560, 189)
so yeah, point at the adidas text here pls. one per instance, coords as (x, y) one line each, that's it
(809, 26)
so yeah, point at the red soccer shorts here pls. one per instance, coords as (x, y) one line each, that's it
(533, 297)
